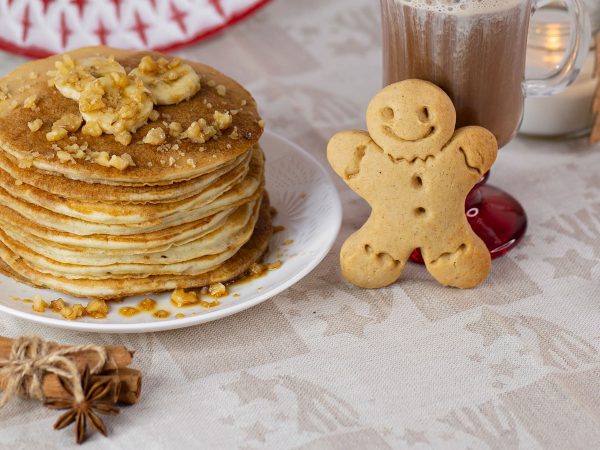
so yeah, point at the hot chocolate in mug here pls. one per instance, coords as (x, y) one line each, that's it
(475, 50)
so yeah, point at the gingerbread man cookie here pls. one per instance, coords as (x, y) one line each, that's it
(415, 172)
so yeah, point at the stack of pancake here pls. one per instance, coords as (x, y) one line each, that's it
(87, 215)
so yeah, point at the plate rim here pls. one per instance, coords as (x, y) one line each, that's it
(189, 321)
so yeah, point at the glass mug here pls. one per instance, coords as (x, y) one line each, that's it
(475, 50)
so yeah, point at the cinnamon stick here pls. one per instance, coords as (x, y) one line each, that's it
(118, 356)
(127, 382)
(130, 384)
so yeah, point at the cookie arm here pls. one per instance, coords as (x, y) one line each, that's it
(345, 153)
(479, 149)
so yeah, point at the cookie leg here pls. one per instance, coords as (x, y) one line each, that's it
(364, 266)
(465, 267)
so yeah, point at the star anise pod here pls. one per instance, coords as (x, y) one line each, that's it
(95, 402)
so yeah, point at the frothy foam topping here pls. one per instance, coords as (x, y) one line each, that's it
(461, 6)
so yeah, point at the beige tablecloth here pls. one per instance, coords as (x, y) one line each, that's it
(512, 364)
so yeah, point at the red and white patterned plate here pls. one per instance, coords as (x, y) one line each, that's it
(39, 28)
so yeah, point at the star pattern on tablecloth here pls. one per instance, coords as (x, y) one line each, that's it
(346, 321)
(572, 264)
(412, 437)
(504, 368)
(492, 326)
(250, 388)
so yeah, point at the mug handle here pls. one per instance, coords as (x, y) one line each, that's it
(568, 70)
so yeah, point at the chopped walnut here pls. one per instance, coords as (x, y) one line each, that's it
(257, 269)
(235, 135)
(25, 163)
(262, 123)
(65, 157)
(57, 305)
(274, 266)
(222, 120)
(155, 136)
(123, 137)
(221, 90)
(211, 83)
(13, 104)
(4, 93)
(199, 132)
(217, 290)
(39, 305)
(154, 115)
(72, 313)
(35, 125)
(56, 134)
(98, 309)
(148, 65)
(175, 129)
(31, 103)
(163, 70)
(182, 298)
(92, 129)
(121, 162)
(70, 122)
(102, 158)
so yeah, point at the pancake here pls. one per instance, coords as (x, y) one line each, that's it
(114, 289)
(217, 239)
(23, 145)
(247, 190)
(121, 214)
(196, 257)
(177, 210)
(102, 243)
(84, 191)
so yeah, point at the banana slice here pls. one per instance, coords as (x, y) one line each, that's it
(116, 105)
(170, 82)
(71, 77)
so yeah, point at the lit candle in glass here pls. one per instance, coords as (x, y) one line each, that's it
(568, 114)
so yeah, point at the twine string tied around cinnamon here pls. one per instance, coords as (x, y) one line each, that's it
(31, 358)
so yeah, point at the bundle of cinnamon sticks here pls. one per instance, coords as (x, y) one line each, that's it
(128, 380)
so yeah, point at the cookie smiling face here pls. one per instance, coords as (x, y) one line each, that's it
(411, 120)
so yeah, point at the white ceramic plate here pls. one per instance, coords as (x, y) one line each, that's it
(308, 207)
